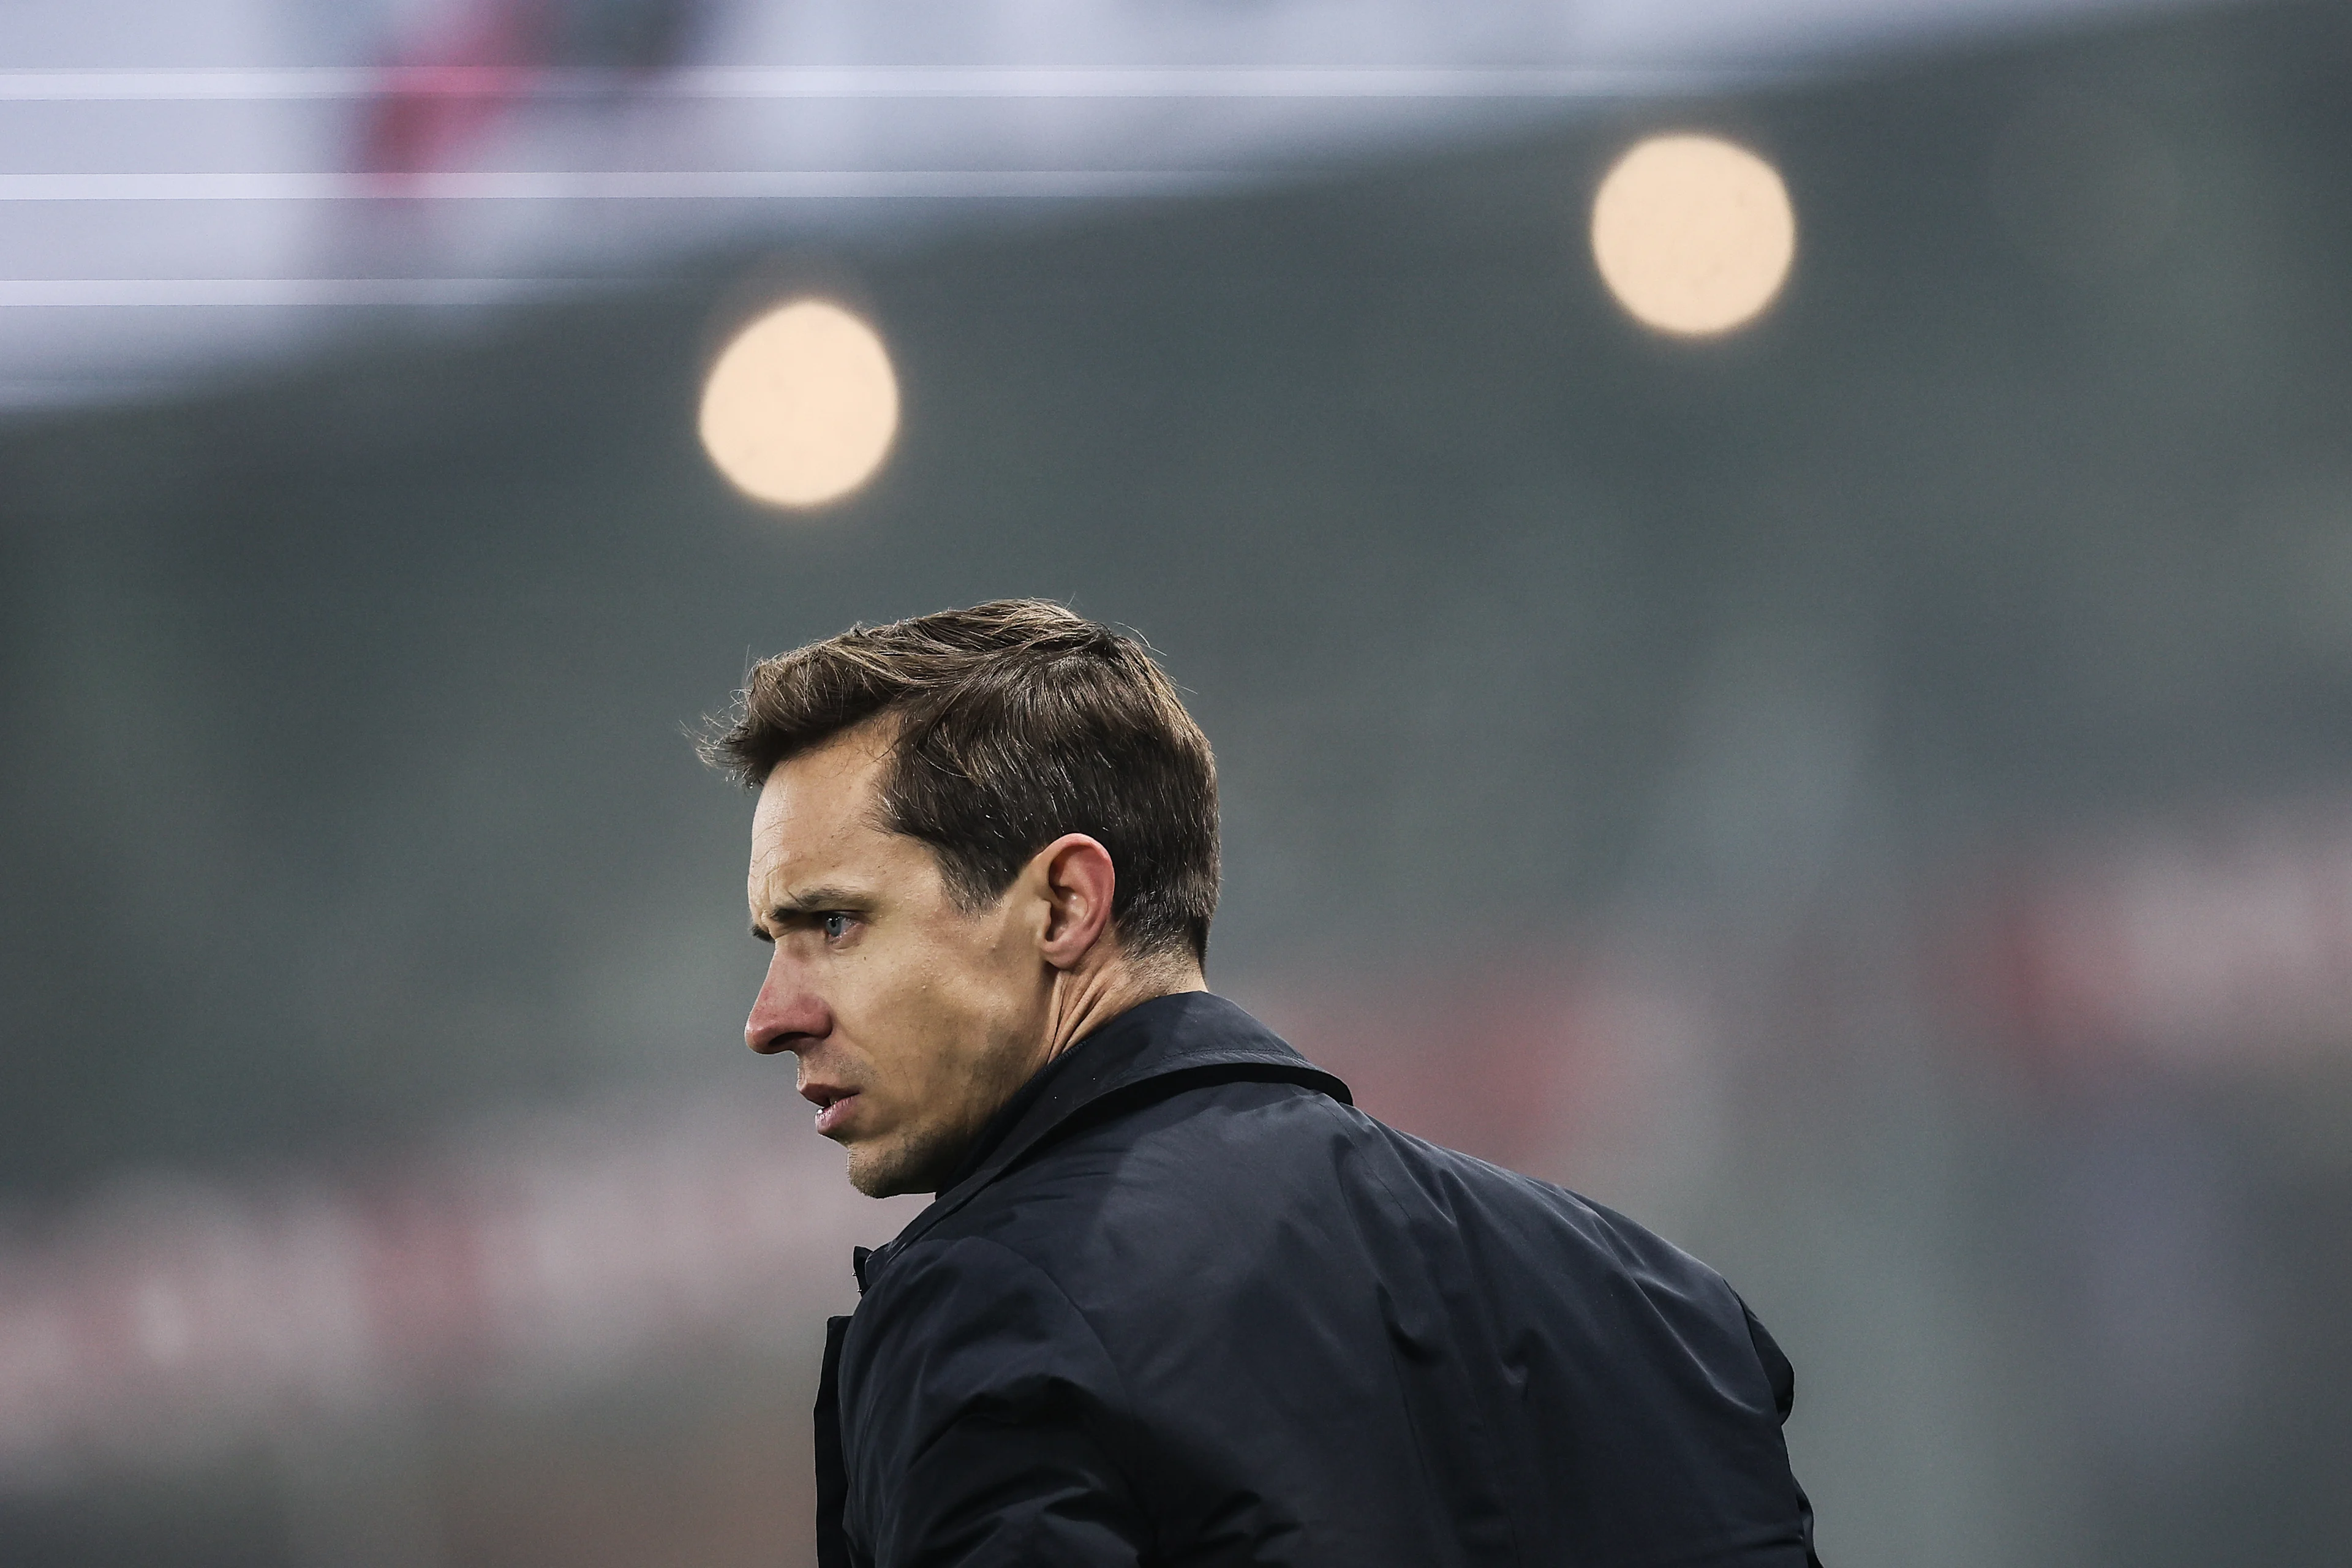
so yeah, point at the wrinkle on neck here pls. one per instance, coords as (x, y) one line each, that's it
(1095, 991)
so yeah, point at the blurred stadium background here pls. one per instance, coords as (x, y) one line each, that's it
(1867, 790)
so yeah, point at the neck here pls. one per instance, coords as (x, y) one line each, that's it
(1092, 994)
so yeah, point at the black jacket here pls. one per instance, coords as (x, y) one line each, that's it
(1185, 1304)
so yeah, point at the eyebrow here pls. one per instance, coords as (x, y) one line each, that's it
(810, 901)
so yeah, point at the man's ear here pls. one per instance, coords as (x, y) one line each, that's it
(1073, 877)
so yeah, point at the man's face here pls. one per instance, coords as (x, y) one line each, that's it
(912, 1019)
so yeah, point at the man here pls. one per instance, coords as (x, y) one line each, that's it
(1177, 1301)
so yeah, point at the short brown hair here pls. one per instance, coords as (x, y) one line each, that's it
(1017, 720)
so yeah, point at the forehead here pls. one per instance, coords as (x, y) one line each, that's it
(815, 810)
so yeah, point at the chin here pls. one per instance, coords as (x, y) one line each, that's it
(874, 1181)
(889, 1170)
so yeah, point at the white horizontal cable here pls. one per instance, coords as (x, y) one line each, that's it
(758, 185)
(300, 82)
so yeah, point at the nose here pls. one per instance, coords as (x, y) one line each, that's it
(788, 1013)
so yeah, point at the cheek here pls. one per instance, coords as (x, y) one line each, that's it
(898, 1008)
(948, 1004)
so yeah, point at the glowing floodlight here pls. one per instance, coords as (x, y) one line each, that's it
(800, 407)
(1692, 234)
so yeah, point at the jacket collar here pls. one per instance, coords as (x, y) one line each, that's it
(1152, 1049)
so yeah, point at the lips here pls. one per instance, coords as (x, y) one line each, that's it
(832, 1105)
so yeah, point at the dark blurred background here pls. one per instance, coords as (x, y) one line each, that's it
(1868, 791)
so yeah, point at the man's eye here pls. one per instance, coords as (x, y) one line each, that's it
(836, 927)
